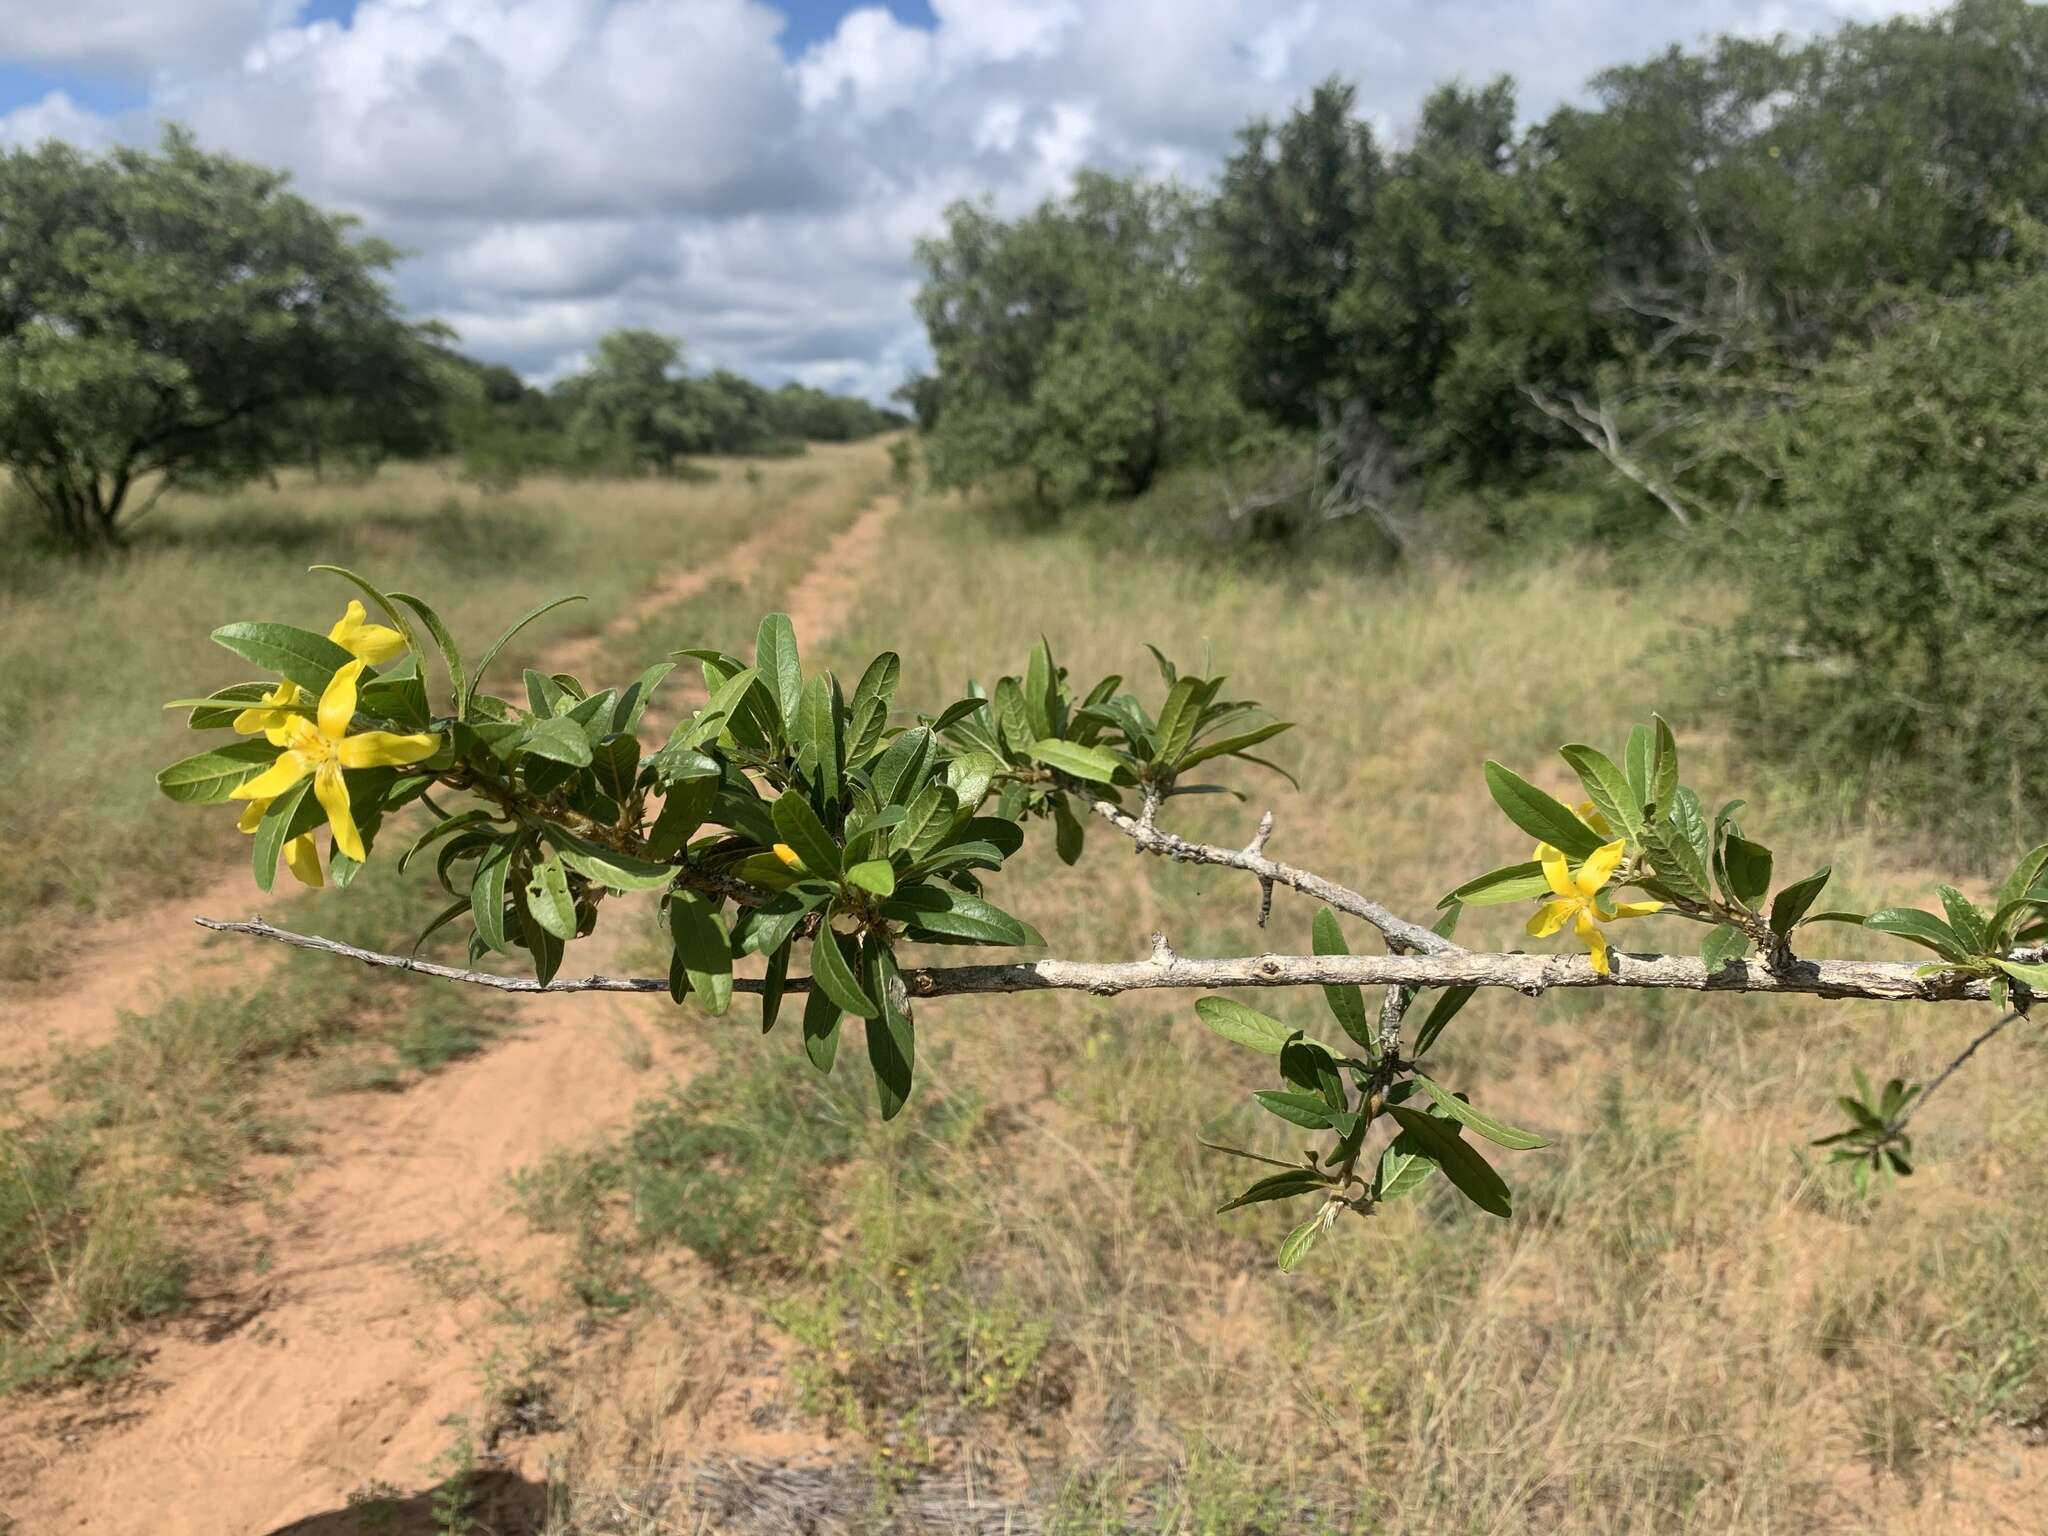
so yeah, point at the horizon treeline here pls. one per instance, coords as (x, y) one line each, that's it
(1640, 277)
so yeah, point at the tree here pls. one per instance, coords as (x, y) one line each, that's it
(177, 315)
(1293, 211)
(630, 404)
(1081, 344)
(1897, 598)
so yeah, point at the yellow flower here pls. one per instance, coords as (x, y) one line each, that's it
(1579, 900)
(788, 855)
(323, 747)
(300, 856)
(366, 642)
(273, 717)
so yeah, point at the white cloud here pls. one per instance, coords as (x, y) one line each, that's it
(558, 167)
(134, 37)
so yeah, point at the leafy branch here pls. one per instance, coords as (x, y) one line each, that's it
(789, 817)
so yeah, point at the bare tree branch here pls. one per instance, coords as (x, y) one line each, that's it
(1533, 975)
(1400, 934)
(1600, 427)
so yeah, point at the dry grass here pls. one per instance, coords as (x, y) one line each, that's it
(1017, 1297)
(1681, 1329)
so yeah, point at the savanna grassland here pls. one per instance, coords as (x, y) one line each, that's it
(326, 1251)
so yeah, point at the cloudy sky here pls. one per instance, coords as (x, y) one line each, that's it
(751, 174)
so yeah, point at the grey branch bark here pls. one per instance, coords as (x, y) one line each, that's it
(1871, 980)
(1601, 432)
(1399, 933)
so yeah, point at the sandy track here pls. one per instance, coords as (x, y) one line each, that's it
(400, 1271)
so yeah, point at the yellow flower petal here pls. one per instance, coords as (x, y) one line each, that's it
(1552, 916)
(1600, 866)
(274, 780)
(1592, 818)
(1556, 870)
(788, 855)
(270, 715)
(303, 860)
(332, 789)
(252, 815)
(1636, 908)
(372, 643)
(1595, 941)
(338, 701)
(385, 749)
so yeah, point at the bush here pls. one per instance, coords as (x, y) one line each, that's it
(1897, 598)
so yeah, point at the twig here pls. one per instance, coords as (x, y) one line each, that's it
(1872, 980)
(1400, 934)
(1949, 1071)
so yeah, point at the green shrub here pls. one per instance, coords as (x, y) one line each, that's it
(1898, 605)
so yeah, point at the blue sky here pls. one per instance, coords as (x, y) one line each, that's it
(106, 92)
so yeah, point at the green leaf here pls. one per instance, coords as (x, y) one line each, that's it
(1790, 904)
(2035, 976)
(900, 769)
(1069, 837)
(1663, 767)
(1498, 887)
(702, 963)
(1638, 760)
(1964, 918)
(821, 1029)
(1920, 928)
(776, 660)
(501, 642)
(1041, 690)
(1673, 857)
(1689, 819)
(773, 981)
(831, 970)
(873, 875)
(487, 895)
(2024, 877)
(558, 740)
(1537, 814)
(1725, 943)
(1746, 867)
(544, 947)
(1493, 1130)
(1464, 1167)
(291, 814)
(801, 829)
(212, 777)
(1278, 1186)
(938, 913)
(308, 659)
(717, 715)
(683, 810)
(608, 867)
(1090, 763)
(1306, 1109)
(1402, 1168)
(1347, 1003)
(892, 1038)
(1445, 1010)
(1608, 788)
(820, 737)
(1298, 1243)
(1244, 1026)
(451, 653)
(549, 901)
(1178, 717)
(1230, 746)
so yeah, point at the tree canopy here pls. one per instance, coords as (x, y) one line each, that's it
(179, 315)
